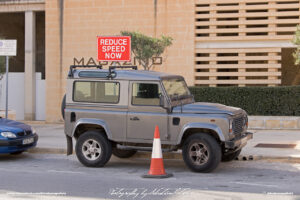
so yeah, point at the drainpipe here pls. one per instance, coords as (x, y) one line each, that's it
(61, 34)
(155, 17)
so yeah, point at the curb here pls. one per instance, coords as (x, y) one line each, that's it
(287, 159)
(43, 150)
(174, 155)
(41, 122)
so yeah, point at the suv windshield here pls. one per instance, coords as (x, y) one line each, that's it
(176, 88)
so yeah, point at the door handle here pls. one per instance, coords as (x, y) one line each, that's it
(134, 119)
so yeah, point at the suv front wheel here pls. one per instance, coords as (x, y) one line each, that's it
(201, 152)
(93, 149)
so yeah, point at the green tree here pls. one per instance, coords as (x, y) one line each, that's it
(145, 47)
(296, 41)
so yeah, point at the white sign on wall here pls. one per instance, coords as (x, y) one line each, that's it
(8, 47)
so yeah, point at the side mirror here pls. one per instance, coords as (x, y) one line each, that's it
(163, 102)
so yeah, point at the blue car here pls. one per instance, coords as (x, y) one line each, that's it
(16, 137)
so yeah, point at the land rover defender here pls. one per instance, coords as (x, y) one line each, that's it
(115, 111)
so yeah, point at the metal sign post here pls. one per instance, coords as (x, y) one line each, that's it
(7, 48)
(6, 98)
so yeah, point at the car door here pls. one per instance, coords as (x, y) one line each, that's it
(145, 112)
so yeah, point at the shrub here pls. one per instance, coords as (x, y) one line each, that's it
(276, 101)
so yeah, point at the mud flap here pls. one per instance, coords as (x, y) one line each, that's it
(69, 145)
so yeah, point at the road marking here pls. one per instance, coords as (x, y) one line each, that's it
(255, 184)
(69, 172)
(35, 171)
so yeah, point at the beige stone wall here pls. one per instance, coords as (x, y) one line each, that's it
(84, 20)
(22, 5)
(238, 42)
(11, 114)
(274, 122)
(53, 71)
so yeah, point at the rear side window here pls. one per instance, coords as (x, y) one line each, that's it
(96, 92)
(145, 94)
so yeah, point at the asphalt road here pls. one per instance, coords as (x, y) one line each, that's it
(49, 176)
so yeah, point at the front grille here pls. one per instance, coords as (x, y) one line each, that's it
(24, 133)
(238, 125)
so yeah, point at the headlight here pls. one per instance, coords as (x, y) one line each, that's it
(246, 121)
(33, 130)
(230, 125)
(8, 135)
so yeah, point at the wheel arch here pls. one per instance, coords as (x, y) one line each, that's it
(85, 124)
(193, 128)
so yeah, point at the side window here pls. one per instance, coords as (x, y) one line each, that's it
(96, 92)
(145, 94)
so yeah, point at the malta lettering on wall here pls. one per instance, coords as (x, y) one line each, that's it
(157, 60)
(114, 48)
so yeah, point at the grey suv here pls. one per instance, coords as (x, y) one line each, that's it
(115, 112)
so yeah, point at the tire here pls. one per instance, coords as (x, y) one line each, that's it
(17, 153)
(100, 149)
(206, 161)
(120, 153)
(231, 156)
(63, 106)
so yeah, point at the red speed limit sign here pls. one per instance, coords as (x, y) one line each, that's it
(114, 48)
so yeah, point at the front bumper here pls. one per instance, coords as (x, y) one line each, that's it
(14, 145)
(238, 143)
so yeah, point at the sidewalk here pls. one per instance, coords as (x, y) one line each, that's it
(52, 140)
(274, 137)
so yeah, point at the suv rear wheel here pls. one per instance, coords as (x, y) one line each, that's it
(201, 152)
(93, 149)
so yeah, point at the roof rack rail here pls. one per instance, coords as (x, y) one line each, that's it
(72, 67)
(112, 68)
(122, 67)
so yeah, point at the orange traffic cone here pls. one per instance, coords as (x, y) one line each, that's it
(157, 169)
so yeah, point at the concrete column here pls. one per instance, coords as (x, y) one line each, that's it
(30, 87)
